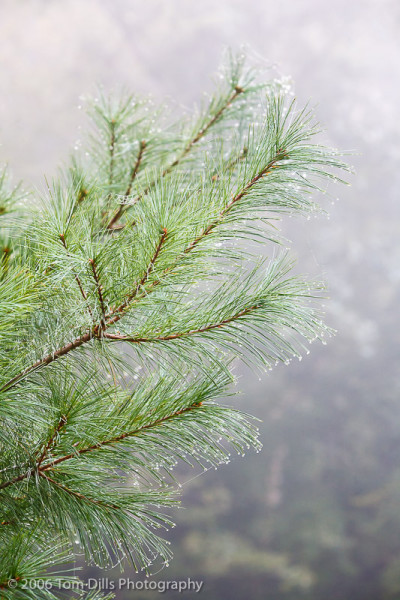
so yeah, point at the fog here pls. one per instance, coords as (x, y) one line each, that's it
(317, 513)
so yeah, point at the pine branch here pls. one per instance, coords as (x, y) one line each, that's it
(181, 334)
(119, 438)
(116, 315)
(107, 320)
(42, 468)
(24, 566)
(189, 146)
(69, 433)
(244, 190)
(202, 132)
(263, 173)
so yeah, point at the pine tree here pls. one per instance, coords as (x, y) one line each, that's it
(128, 289)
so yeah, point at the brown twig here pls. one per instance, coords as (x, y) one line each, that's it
(231, 203)
(78, 281)
(134, 172)
(136, 167)
(43, 468)
(79, 341)
(232, 163)
(77, 494)
(181, 334)
(117, 313)
(200, 134)
(7, 484)
(119, 438)
(99, 288)
(62, 422)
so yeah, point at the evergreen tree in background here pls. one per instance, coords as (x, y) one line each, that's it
(127, 290)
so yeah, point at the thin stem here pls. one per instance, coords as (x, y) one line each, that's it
(232, 202)
(181, 334)
(199, 135)
(77, 494)
(202, 132)
(42, 468)
(112, 317)
(136, 167)
(134, 172)
(229, 166)
(78, 281)
(7, 484)
(99, 288)
(118, 438)
(112, 150)
(79, 341)
(62, 422)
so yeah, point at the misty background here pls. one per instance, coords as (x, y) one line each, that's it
(316, 515)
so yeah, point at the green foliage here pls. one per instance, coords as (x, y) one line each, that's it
(129, 290)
